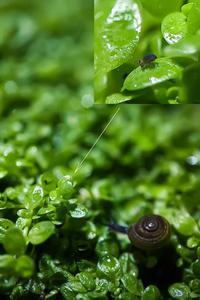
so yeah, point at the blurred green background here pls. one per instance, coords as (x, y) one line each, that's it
(45, 52)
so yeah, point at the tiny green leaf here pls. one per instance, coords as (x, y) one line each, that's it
(132, 284)
(48, 181)
(174, 27)
(118, 98)
(179, 291)
(67, 292)
(65, 186)
(109, 266)
(151, 293)
(78, 212)
(87, 280)
(38, 193)
(77, 286)
(128, 264)
(40, 232)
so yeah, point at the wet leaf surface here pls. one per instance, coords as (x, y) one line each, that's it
(159, 71)
(118, 98)
(174, 27)
(117, 30)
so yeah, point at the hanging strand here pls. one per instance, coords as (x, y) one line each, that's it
(97, 140)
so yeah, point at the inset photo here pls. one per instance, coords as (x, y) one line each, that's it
(147, 51)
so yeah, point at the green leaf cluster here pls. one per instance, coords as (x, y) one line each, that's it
(126, 31)
(54, 238)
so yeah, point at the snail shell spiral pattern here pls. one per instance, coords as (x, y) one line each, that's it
(150, 232)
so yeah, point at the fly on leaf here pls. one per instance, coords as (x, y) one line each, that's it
(147, 60)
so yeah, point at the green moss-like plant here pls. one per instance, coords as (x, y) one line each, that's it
(54, 239)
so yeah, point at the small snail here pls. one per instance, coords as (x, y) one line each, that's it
(147, 60)
(149, 233)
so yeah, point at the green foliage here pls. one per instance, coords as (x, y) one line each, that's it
(54, 238)
(125, 33)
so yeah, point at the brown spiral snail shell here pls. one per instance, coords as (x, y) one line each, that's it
(149, 233)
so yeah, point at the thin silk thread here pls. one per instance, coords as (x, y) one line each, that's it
(98, 138)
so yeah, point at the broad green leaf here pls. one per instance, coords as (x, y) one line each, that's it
(14, 242)
(40, 232)
(117, 30)
(118, 98)
(161, 70)
(174, 27)
(161, 8)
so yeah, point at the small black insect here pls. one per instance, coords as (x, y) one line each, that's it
(147, 60)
